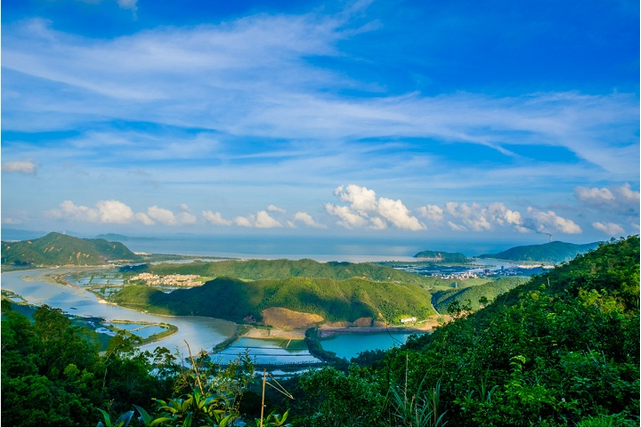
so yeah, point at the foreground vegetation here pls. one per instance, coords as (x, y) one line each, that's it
(560, 350)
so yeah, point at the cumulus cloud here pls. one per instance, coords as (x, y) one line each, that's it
(161, 215)
(549, 222)
(349, 219)
(215, 218)
(610, 228)
(365, 208)
(167, 217)
(242, 221)
(144, 218)
(273, 208)
(621, 199)
(472, 216)
(432, 213)
(306, 219)
(395, 212)
(262, 219)
(361, 199)
(114, 212)
(106, 211)
(377, 223)
(19, 167)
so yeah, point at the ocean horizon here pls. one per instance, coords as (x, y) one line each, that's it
(316, 247)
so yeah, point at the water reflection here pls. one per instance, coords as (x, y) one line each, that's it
(202, 333)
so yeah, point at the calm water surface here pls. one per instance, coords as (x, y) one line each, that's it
(202, 333)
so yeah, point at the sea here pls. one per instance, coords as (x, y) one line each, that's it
(319, 248)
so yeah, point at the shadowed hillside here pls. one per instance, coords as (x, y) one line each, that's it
(242, 301)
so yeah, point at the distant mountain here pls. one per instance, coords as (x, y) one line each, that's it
(60, 249)
(553, 252)
(439, 256)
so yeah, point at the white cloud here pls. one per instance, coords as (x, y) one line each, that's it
(19, 167)
(501, 215)
(241, 221)
(106, 211)
(263, 220)
(549, 222)
(395, 212)
(144, 218)
(215, 218)
(473, 216)
(456, 227)
(307, 219)
(610, 228)
(363, 205)
(349, 219)
(360, 198)
(377, 223)
(432, 213)
(273, 208)
(161, 215)
(621, 199)
(186, 218)
(114, 212)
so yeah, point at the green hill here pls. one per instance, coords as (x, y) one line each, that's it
(560, 350)
(239, 301)
(283, 268)
(60, 249)
(553, 252)
(438, 256)
(470, 296)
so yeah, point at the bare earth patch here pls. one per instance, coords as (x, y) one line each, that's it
(284, 318)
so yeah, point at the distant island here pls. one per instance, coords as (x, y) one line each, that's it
(439, 256)
(553, 252)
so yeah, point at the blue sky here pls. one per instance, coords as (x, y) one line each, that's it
(498, 120)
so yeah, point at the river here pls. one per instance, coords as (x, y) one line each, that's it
(202, 333)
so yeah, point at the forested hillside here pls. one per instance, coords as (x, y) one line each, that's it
(560, 351)
(553, 252)
(439, 256)
(256, 269)
(60, 249)
(333, 300)
(474, 297)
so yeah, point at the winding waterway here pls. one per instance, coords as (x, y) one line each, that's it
(202, 333)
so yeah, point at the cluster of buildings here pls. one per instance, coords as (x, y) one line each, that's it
(172, 280)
